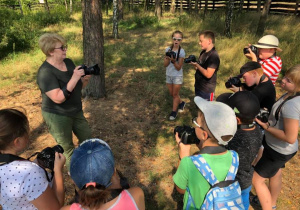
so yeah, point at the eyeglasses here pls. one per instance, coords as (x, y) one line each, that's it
(194, 120)
(63, 47)
(177, 39)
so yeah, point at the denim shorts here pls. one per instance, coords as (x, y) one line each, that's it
(176, 80)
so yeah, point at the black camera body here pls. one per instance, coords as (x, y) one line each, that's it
(46, 157)
(95, 70)
(263, 115)
(253, 49)
(233, 81)
(187, 134)
(171, 54)
(189, 59)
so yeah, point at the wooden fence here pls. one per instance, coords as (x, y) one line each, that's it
(277, 6)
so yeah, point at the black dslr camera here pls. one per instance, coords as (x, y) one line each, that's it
(263, 115)
(233, 81)
(46, 157)
(187, 134)
(253, 49)
(95, 70)
(189, 59)
(171, 54)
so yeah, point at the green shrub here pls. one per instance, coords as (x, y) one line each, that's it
(139, 22)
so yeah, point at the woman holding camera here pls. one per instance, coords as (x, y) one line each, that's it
(93, 171)
(280, 143)
(23, 183)
(60, 83)
(173, 62)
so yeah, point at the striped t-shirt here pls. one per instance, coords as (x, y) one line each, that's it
(271, 67)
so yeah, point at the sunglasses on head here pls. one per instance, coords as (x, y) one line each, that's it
(63, 47)
(177, 39)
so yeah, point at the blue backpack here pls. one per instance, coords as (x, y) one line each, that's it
(223, 195)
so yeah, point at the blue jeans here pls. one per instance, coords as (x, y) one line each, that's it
(245, 197)
(207, 96)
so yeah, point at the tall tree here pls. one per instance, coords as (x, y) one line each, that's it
(205, 9)
(66, 5)
(158, 10)
(263, 18)
(241, 5)
(93, 42)
(120, 10)
(21, 8)
(196, 6)
(228, 19)
(46, 6)
(115, 19)
(181, 7)
(71, 6)
(173, 6)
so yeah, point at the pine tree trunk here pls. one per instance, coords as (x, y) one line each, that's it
(196, 6)
(241, 5)
(93, 42)
(172, 8)
(228, 19)
(158, 10)
(120, 10)
(66, 5)
(47, 6)
(181, 6)
(115, 19)
(71, 6)
(263, 18)
(21, 8)
(258, 5)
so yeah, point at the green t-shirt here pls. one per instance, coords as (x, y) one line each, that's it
(49, 78)
(187, 175)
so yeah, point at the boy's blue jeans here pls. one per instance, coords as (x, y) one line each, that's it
(245, 197)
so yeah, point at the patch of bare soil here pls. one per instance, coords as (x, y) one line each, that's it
(130, 122)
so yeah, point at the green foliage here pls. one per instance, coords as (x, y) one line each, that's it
(139, 22)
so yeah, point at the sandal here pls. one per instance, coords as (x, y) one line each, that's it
(255, 201)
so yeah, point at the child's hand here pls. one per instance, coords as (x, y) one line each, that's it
(59, 161)
(184, 149)
(194, 64)
(234, 88)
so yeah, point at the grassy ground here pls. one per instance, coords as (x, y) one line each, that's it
(133, 119)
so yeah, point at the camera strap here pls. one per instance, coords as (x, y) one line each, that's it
(177, 56)
(280, 106)
(8, 158)
(262, 78)
(212, 150)
(246, 126)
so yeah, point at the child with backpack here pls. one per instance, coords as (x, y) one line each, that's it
(173, 62)
(212, 170)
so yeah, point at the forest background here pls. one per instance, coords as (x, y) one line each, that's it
(133, 117)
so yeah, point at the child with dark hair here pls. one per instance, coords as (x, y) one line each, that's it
(207, 66)
(93, 170)
(174, 72)
(248, 138)
(23, 183)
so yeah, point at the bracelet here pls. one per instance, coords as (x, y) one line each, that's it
(268, 125)
(66, 93)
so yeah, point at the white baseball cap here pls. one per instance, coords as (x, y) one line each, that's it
(219, 117)
(268, 41)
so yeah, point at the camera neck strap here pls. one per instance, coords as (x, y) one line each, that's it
(212, 150)
(280, 106)
(262, 78)
(178, 52)
(8, 158)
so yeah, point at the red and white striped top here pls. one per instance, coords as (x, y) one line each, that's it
(271, 67)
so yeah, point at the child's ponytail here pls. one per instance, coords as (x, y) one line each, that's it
(93, 196)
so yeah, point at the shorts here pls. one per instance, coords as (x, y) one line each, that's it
(176, 80)
(271, 161)
(207, 96)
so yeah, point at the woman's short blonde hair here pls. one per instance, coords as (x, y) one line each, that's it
(48, 41)
(294, 75)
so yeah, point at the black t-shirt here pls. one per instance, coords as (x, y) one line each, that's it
(246, 144)
(266, 94)
(49, 78)
(206, 60)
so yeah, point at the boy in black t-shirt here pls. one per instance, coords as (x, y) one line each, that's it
(206, 67)
(248, 138)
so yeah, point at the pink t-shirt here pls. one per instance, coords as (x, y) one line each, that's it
(125, 201)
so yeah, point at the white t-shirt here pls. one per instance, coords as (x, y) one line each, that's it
(290, 110)
(171, 70)
(20, 183)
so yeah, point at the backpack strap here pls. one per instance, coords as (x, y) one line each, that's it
(190, 200)
(8, 158)
(234, 166)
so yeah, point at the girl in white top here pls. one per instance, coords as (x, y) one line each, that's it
(281, 144)
(174, 72)
(23, 183)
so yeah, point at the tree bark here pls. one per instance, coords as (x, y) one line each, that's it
(47, 6)
(115, 19)
(120, 10)
(196, 6)
(93, 42)
(21, 8)
(297, 7)
(173, 7)
(241, 5)
(228, 19)
(258, 5)
(181, 7)
(130, 5)
(158, 10)
(205, 9)
(66, 5)
(263, 18)
(71, 6)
